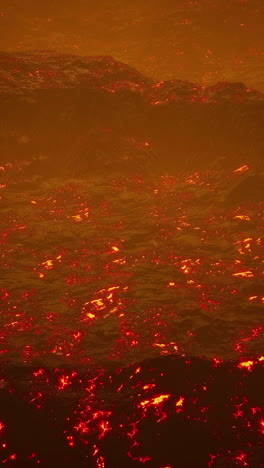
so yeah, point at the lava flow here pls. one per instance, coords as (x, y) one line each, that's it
(90, 285)
(131, 234)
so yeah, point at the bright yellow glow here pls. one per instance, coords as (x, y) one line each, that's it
(241, 169)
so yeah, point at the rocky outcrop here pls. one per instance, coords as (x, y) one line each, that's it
(54, 105)
(23, 71)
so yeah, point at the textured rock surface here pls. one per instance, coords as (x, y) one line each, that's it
(63, 242)
(47, 69)
(88, 114)
(168, 411)
(249, 189)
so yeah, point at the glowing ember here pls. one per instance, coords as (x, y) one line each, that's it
(154, 400)
(247, 364)
(242, 459)
(241, 169)
(180, 401)
(242, 217)
(244, 274)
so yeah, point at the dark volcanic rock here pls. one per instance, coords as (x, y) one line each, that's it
(250, 189)
(168, 411)
(55, 104)
(47, 69)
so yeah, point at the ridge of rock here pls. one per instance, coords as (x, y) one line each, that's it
(45, 69)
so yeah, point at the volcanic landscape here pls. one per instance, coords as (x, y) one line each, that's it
(131, 268)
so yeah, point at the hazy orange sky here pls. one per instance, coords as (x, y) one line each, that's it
(204, 40)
